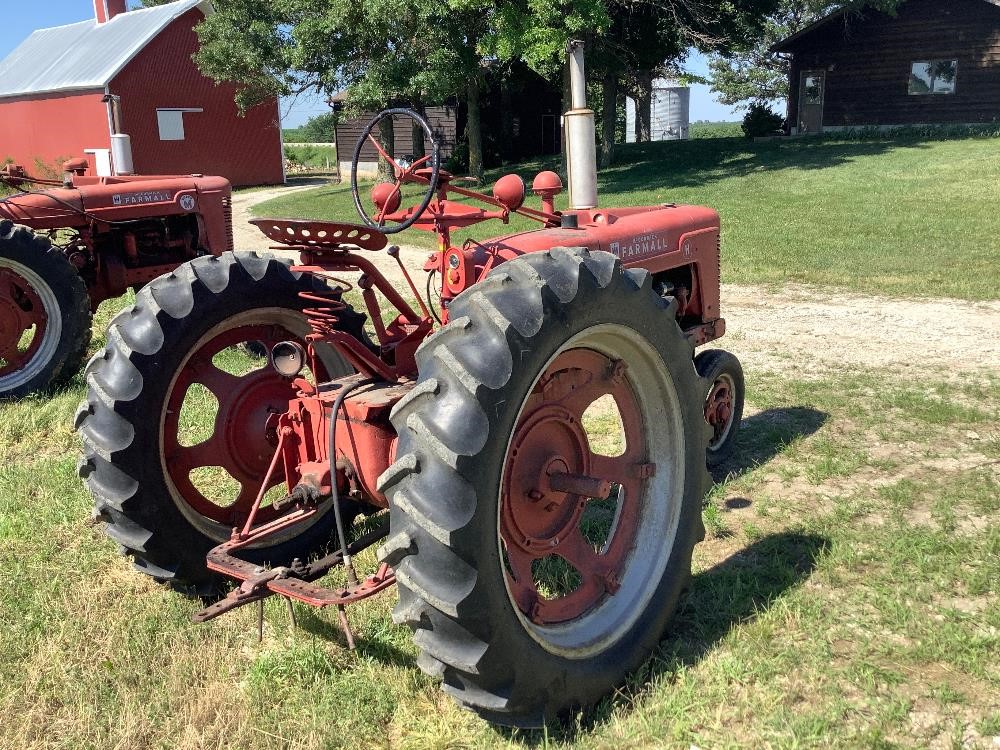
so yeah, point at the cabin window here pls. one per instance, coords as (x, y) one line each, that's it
(171, 122)
(933, 77)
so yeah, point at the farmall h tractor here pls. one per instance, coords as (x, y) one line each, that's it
(66, 249)
(537, 562)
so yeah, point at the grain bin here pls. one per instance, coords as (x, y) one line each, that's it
(670, 116)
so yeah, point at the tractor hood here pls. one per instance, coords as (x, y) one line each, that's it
(636, 234)
(61, 206)
(113, 199)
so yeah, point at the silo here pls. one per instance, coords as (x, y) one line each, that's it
(630, 106)
(671, 114)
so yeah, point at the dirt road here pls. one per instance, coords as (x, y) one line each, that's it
(246, 236)
(813, 330)
(805, 330)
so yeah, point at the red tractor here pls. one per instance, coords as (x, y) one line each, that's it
(529, 448)
(86, 239)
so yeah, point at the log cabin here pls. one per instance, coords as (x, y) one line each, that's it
(933, 62)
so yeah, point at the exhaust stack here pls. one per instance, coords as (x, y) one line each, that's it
(578, 123)
(121, 144)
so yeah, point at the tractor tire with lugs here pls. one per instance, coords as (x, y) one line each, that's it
(44, 314)
(168, 486)
(526, 606)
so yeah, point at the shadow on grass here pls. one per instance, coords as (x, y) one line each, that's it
(676, 164)
(766, 434)
(735, 591)
(379, 649)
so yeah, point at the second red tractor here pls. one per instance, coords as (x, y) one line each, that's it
(67, 245)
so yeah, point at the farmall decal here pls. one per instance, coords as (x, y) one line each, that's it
(644, 244)
(147, 196)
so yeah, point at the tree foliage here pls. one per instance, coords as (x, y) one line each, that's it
(649, 40)
(761, 121)
(318, 129)
(424, 52)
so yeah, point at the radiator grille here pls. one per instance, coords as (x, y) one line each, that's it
(227, 207)
(718, 259)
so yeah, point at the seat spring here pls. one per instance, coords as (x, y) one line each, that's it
(322, 317)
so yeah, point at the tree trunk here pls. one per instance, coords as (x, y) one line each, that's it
(609, 117)
(506, 122)
(473, 129)
(417, 133)
(387, 137)
(644, 108)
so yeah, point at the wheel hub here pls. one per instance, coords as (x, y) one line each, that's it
(21, 308)
(551, 477)
(245, 416)
(239, 442)
(719, 408)
(549, 442)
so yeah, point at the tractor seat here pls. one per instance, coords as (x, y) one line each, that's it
(305, 233)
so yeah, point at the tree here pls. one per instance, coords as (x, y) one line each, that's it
(647, 40)
(413, 52)
(319, 129)
(750, 72)
(380, 53)
(421, 52)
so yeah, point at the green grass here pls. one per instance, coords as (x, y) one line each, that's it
(839, 600)
(847, 594)
(905, 217)
(311, 157)
(715, 130)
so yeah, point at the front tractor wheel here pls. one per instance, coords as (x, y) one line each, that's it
(723, 377)
(175, 423)
(44, 314)
(547, 494)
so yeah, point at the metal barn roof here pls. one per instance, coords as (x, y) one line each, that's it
(86, 55)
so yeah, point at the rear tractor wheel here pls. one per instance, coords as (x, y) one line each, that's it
(723, 376)
(174, 425)
(44, 314)
(547, 494)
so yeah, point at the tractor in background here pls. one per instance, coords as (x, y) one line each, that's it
(66, 248)
(526, 441)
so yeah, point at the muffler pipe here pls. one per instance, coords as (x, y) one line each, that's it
(121, 144)
(578, 124)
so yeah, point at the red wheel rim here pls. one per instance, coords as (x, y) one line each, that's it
(21, 309)
(240, 442)
(552, 474)
(719, 409)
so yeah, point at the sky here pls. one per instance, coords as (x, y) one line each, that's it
(20, 19)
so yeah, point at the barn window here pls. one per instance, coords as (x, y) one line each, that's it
(933, 77)
(171, 122)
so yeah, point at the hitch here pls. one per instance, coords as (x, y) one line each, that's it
(295, 581)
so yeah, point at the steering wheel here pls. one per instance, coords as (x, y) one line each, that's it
(401, 173)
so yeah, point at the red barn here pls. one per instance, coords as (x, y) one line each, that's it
(64, 91)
